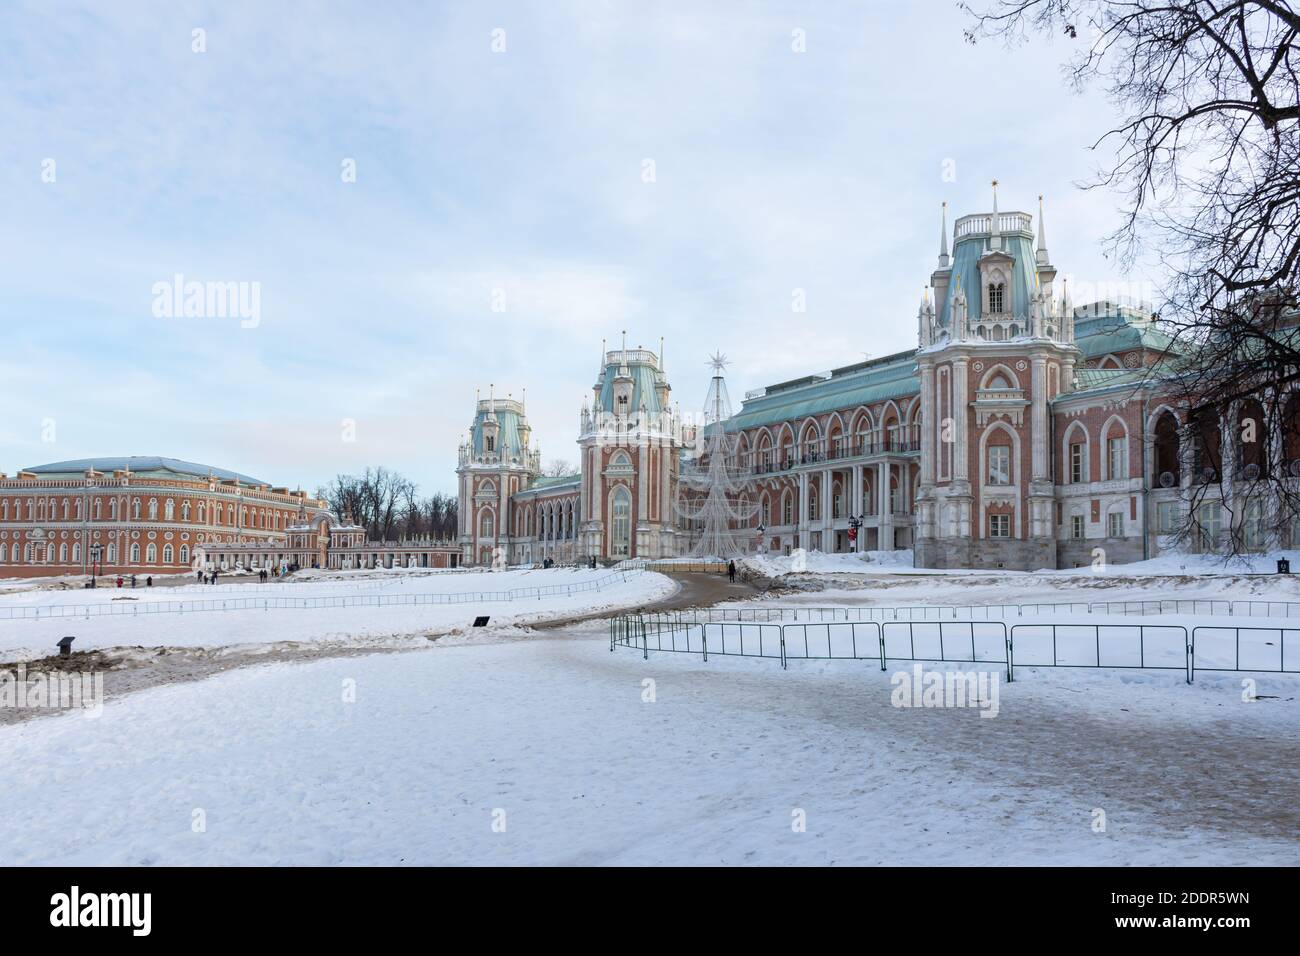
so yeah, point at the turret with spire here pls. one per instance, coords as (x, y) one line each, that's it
(943, 272)
(958, 330)
(925, 320)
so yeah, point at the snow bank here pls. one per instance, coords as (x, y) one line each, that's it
(816, 562)
(366, 623)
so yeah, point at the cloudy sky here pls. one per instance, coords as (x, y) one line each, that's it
(500, 153)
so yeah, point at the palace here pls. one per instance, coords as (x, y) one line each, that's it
(135, 515)
(147, 515)
(1021, 433)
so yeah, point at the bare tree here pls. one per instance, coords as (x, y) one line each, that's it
(558, 468)
(1206, 155)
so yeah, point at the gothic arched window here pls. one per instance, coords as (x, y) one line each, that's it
(997, 297)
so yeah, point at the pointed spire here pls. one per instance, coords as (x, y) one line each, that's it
(661, 353)
(1041, 255)
(994, 229)
(944, 260)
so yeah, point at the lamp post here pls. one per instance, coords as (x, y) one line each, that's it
(760, 531)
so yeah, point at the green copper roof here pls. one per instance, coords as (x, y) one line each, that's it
(966, 255)
(894, 376)
(644, 379)
(1088, 379)
(508, 422)
(561, 483)
(141, 465)
(1107, 334)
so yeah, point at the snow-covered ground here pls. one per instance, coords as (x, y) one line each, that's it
(554, 751)
(363, 623)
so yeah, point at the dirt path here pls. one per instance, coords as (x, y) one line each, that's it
(130, 669)
(696, 590)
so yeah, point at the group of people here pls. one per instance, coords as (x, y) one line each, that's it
(148, 581)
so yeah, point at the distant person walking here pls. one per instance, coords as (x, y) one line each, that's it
(731, 571)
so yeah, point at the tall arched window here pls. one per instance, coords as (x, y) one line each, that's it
(486, 524)
(169, 510)
(153, 509)
(621, 531)
(135, 509)
(135, 554)
(151, 554)
(997, 297)
(167, 554)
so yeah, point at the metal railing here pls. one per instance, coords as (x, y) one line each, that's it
(996, 612)
(1162, 647)
(1258, 657)
(1090, 637)
(137, 607)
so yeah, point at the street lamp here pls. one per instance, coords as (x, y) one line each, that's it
(760, 531)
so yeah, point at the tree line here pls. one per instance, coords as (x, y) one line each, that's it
(390, 507)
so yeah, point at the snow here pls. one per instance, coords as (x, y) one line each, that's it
(556, 734)
(362, 624)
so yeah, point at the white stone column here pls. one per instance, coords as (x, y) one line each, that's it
(802, 522)
(961, 457)
(886, 534)
(856, 497)
(828, 513)
(1038, 418)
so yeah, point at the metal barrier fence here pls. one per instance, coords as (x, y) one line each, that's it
(1089, 637)
(1257, 656)
(994, 612)
(1111, 646)
(134, 608)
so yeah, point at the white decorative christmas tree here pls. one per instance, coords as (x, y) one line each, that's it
(711, 487)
